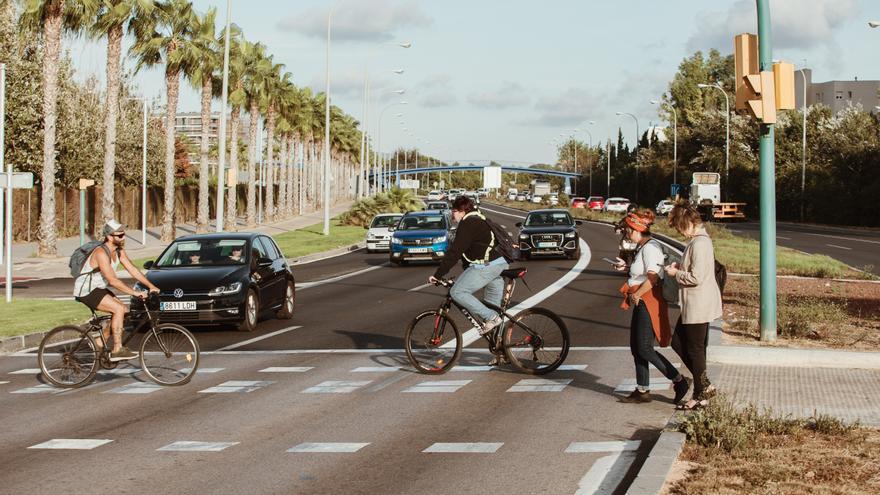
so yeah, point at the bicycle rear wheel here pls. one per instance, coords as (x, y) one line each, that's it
(68, 357)
(170, 355)
(536, 341)
(433, 343)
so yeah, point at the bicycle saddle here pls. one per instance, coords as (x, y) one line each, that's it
(514, 273)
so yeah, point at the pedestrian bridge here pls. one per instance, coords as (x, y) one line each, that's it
(391, 171)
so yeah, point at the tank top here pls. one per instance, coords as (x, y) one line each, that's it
(88, 281)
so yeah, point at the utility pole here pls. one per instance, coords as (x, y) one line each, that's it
(767, 188)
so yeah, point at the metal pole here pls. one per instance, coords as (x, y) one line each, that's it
(262, 178)
(674, 146)
(727, 143)
(82, 216)
(804, 150)
(144, 181)
(224, 99)
(8, 183)
(608, 169)
(767, 189)
(361, 175)
(327, 136)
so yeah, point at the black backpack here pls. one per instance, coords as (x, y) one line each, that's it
(504, 244)
(81, 254)
(720, 275)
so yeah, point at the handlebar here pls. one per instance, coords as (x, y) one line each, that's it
(444, 282)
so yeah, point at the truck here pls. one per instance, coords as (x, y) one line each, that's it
(705, 195)
(540, 188)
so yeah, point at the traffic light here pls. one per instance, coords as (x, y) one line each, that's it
(783, 77)
(745, 50)
(761, 93)
(762, 106)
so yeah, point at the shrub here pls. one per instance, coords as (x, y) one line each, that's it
(396, 200)
(808, 317)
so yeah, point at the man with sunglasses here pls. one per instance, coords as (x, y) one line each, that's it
(99, 272)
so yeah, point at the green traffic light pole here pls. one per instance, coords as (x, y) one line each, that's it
(767, 189)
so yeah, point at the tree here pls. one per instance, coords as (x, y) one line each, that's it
(253, 55)
(166, 36)
(237, 68)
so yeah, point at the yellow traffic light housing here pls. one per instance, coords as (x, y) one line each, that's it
(763, 106)
(783, 78)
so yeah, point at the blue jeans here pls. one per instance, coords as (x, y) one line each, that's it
(641, 344)
(477, 277)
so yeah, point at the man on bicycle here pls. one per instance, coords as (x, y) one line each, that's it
(99, 272)
(474, 243)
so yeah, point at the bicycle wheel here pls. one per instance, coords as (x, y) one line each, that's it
(68, 357)
(433, 343)
(536, 341)
(170, 355)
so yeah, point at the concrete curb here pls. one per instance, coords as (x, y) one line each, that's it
(653, 473)
(794, 358)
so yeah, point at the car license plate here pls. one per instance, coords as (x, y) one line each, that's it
(546, 244)
(419, 250)
(177, 306)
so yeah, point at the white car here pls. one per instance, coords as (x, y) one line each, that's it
(378, 236)
(617, 205)
(482, 192)
(511, 194)
(435, 196)
(521, 197)
(554, 199)
(664, 207)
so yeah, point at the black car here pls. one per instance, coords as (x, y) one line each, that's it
(549, 232)
(234, 278)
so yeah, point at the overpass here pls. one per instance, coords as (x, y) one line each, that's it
(390, 171)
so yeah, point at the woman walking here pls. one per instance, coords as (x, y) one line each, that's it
(650, 320)
(700, 300)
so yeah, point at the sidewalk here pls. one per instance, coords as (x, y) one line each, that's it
(27, 266)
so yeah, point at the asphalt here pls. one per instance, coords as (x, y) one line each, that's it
(579, 437)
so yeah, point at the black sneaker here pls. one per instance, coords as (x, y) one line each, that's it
(681, 388)
(122, 354)
(637, 397)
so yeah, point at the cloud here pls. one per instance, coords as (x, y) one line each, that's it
(510, 94)
(796, 23)
(568, 108)
(347, 84)
(359, 20)
(436, 91)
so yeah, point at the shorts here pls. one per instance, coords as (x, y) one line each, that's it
(94, 298)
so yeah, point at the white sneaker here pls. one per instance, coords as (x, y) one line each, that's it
(489, 325)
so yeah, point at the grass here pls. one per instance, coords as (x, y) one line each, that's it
(36, 315)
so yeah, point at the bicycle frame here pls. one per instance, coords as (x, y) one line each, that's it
(144, 318)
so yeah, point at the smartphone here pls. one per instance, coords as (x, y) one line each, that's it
(609, 260)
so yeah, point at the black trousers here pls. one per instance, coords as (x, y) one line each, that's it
(690, 342)
(641, 345)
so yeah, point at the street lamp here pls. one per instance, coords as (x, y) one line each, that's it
(637, 150)
(803, 72)
(874, 24)
(221, 162)
(365, 152)
(674, 141)
(144, 177)
(326, 171)
(717, 86)
(380, 180)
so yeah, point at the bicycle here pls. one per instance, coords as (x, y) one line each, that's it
(535, 340)
(70, 356)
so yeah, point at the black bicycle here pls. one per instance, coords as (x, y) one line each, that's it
(534, 340)
(70, 356)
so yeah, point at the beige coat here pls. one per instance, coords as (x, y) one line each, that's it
(699, 296)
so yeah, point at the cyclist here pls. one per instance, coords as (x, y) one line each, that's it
(474, 243)
(99, 272)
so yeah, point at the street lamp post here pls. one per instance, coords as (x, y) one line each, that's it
(143, 176)
(224, 99)
(326, 171)
(717, 86)
(637, 150)
(379, 130)
(804, 141)
(365, 156)
(674, 140)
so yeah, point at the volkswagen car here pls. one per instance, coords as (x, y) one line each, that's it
(422, 236)
(228, 278)
(378, 233)
(549, 232)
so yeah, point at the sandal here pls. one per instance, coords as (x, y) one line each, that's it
(709, 392)
(692, 405)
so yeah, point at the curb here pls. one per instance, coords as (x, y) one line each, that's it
(310, 258)
(793, 358)
(652, 475)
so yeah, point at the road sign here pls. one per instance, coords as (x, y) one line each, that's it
(20, 180)
(492, 177)
(674, 190)
(409, 183)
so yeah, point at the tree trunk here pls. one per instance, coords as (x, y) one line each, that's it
(270, 164)
(172, 85)
(52, 47)
(232, 197)
(111, 114)
(291, 160)
(282, 179)
(204, 146)
(251, 219)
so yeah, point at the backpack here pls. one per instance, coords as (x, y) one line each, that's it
(81, 254)
(670, 284)
(504, 244)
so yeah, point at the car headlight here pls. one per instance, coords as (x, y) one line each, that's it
(225, 290)
(396, 240)
(524, 236)
(371, 236)
(442, 238)
(570, 235)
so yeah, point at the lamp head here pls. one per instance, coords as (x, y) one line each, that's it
(406, 44)
(874, 24)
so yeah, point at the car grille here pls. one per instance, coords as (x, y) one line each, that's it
(418, 242)
(556, 238)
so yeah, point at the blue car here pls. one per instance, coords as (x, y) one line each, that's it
(422, 236)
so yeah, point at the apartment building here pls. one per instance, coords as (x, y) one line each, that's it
(837, 95)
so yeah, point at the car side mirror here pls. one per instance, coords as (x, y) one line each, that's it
(366, 227)
(263, 262)
(391, 229)
(518, 224)
(149, 264)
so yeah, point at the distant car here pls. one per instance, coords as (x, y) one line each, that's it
(436, 205)
(536, 199)
(554, 199)
(378, 234)
(596, 203)
(435, 196)
(617, 205)
(422, 235)
(521, 197)
(664, 207)
(454, 193)
(547, 232)
(474, 196)
(579, 202)
(482, 192)
(511, 194)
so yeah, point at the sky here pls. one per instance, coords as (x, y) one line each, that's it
(500, 79)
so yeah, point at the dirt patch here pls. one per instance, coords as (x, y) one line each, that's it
(811, 313)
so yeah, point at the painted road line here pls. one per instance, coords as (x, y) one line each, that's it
(783, 238)
(437, 386)
(43, 388)
(388, 382)
(26, 371)
(236, 386)
(136, 388)
(3, 382)
(336, 387)
(844, 238)
(423, 286)
(463, 448)
(327, 447)
(572, 367)
(257, 339)
(594, 447)
(541, 385)
(629, 385)
(318, 283)
(376, 369)
(374, 352)
(203, 370)
(471, 368)
(839, 247)
(188, 446)
(71, 444)
(606, 474)
(286, 369)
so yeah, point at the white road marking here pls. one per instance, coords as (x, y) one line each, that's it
(284, 369)
(593, 447)
(318, 283)
(26, 371)
(71, 444)
(376, 352)
(236, 386)
(375, 369)
(188, 446)
(783, 238)
(839, 247)
(416, 289)
(629, 384)
(257, 339)
(541, 385)
(335, 387)
(844, 238)
(3, 382)
(203, 370)
(605, 474)
(471, 368)
(463, 448)
(572, 367)
(136, 388)
(438, 386)
(328, 447)
(43, 388)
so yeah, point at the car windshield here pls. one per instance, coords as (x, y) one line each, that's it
(618, 201)
(204, 252)
(384, 222)
(548, 219)
(423, 222)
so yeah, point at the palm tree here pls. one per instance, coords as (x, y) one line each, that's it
(109, 22)
(237, 68)
(253, 55)
(166, 37)
(49, 18)
(202, 78)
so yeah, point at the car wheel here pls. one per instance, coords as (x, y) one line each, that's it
(286, 311)
(251, 312)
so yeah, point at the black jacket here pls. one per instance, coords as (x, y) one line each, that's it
(472, 238)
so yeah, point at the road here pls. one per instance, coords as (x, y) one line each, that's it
(325, 403)
(855, 247)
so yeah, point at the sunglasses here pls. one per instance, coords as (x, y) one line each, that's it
(118, 236)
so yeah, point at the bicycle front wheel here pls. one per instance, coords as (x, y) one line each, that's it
(433, 343)
(536, 341)
(169, 354)
(68, 357)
